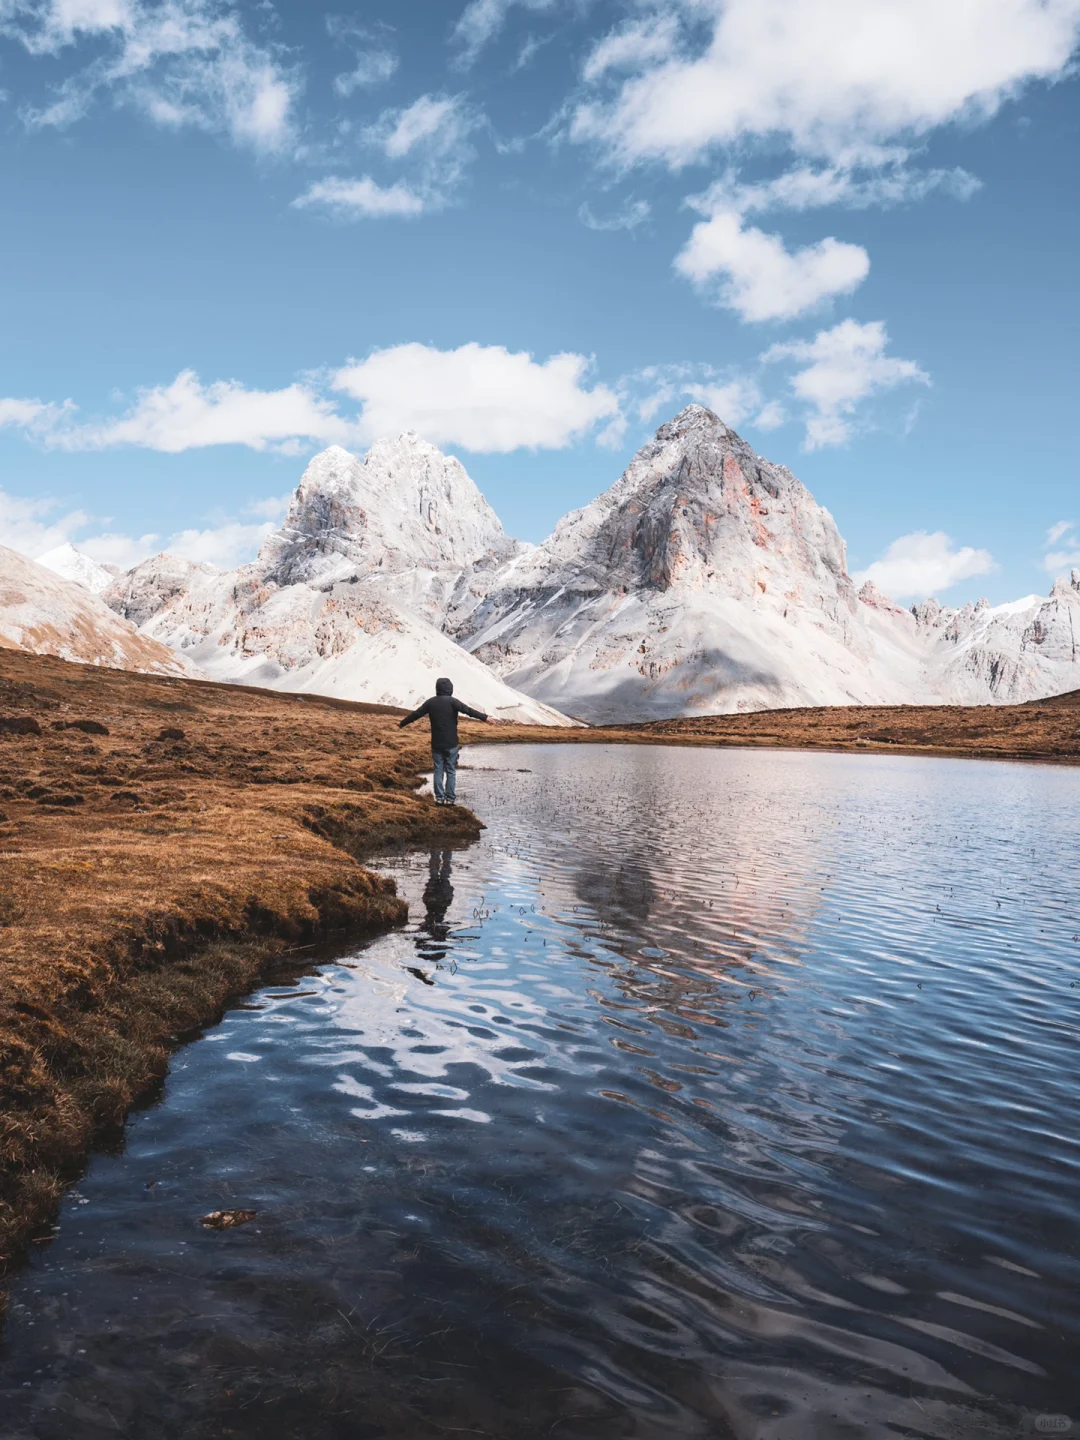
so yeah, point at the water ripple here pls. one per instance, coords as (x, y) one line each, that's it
(711, 1093)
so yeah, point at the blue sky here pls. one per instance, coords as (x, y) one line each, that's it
(533, 230)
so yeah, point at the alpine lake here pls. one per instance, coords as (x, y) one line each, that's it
(716, 1093)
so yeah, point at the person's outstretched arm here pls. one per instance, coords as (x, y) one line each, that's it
(421, 710)
(464, 709)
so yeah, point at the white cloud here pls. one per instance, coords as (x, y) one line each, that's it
(922, 564)
(432, 136)
(364, 197)
(481, 397)
(112, 548)
(1057, 562)
(376, 61)
(771, 416)
(183, 62)
(272, 508)
(33, 527)
(227, 545)
(856, 188)
(628, 217)
(397, 132)
(734, 402)
(835, 78)
(481, 21)
(187, 415)
(761, 279)
(634, 46)
(843, 366)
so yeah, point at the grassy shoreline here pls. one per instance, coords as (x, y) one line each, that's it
(163, 842)
(1046, 731)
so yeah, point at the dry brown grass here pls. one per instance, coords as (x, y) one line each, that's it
(148, 873)
(1040, 730)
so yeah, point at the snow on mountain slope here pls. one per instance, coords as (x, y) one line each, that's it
(72, 564)
(1024, 650)
(47, 615)
(406, 516)
(338, 637)
(705, 580)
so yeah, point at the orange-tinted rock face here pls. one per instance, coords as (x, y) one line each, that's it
(697, 552)
(44, 614)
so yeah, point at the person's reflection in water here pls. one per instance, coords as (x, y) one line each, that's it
(433, 937)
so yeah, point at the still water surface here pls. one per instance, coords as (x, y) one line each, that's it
(713, 1093)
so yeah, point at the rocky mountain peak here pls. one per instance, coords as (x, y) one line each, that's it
(697, 506)
(876, 599)
(1066, 589)
(70, 563)
(404, 505)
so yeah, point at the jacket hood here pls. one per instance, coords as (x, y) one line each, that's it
(444, 687)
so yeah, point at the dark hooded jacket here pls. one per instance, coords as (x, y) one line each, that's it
(442, 710)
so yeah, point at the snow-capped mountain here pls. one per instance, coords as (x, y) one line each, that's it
(341, 599)
(1024, 650)
(705, 580)
(45, 614)
(65, 560)
(709, 580)
(406, 516)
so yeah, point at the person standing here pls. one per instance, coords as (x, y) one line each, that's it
(442, 711)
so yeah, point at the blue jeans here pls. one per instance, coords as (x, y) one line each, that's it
(445, 762)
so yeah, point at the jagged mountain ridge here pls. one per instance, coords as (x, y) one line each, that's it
(341, 599)
(705, 580)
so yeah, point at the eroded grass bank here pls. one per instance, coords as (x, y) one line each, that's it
(161, 841)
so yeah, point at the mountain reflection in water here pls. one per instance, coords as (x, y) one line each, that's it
(712, 1093)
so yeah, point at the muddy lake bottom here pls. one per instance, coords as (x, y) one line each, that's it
(711, 1093)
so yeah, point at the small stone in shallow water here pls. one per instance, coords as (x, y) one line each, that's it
(226, 1219)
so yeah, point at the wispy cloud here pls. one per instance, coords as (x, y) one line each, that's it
(376, 60)
(839, 369)
(429, 138)
(352, 199)
(182, 62)
(628, 216)
(481, 21)
(1061, 548)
